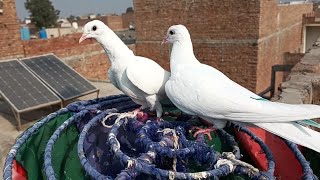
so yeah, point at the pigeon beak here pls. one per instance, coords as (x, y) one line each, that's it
(165, 40)
(83, 37)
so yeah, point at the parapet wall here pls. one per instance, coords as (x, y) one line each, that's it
(280, 32)
(88, 58)
(303, 83)
(10, 44)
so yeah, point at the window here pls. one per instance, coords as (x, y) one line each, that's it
(1, 7)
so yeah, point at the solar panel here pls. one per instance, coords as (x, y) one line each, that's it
(22, 89)
(62, 79)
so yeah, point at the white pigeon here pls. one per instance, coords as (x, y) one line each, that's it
(199, 89)
(140, 78)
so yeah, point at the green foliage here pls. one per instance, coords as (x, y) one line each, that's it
(71, 18)
(129, 9)
(42, 13)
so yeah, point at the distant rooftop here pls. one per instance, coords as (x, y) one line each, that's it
(296, 1)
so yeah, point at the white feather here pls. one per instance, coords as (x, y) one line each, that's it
(140, 78)
(202, 90)
(213, 94)
(147, 75)
(113, 79)
(294, 132)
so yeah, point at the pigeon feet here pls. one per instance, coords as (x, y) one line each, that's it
(206, 131)
(159, 119)
(141, 116)
(172, 114)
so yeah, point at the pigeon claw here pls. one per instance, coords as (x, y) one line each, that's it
(152, 113)
(159, 119)
(206, 132)
(142, 117)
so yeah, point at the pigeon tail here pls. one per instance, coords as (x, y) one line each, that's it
(309, 122)
(294, 132)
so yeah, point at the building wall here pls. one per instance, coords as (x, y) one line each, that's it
(280, 32)
(311, 25)
(10, 44)
(302, 86)
(114, 22)
(56, 32)
(243, 39)
(127, 19)
(219, 39)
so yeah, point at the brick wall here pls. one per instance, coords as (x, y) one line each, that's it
(88, 58)
(280, 32)
(114, 22)
(292, 58)
(218, 38)
(243, 39)
(127, 19)
(10, 44)
(309, 18)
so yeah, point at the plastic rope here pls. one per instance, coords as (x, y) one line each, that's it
(154, 141)
(307, 171)
(78, 116)
(152, 170)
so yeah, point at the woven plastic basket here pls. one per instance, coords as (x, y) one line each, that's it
(73, 144)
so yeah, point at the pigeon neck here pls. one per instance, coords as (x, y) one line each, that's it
(182, 53)
(114, 47)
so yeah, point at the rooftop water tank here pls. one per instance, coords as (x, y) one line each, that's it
(43, 33)
(25, 33)
(75, 25)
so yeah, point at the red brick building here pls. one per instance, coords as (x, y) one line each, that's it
(10, 44)
(128, 18)
(243, 39)
(113, 21)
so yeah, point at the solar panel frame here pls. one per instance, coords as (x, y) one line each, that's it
(13, 106)
(70, 68)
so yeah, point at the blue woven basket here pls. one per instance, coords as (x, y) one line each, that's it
(130, 149)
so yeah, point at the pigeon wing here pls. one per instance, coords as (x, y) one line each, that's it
(208, 92)
(147, 75)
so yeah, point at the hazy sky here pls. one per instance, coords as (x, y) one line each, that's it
(81, 7)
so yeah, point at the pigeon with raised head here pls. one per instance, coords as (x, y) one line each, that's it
(199, 89)
(140, 78)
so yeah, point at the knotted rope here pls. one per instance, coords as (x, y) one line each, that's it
(155, 143)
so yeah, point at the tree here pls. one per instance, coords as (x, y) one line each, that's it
(42, 13)
(71, 18)
(129, 9)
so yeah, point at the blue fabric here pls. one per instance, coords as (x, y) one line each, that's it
(105, 153)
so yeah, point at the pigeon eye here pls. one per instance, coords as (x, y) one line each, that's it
(171, 32)
(94, 28)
